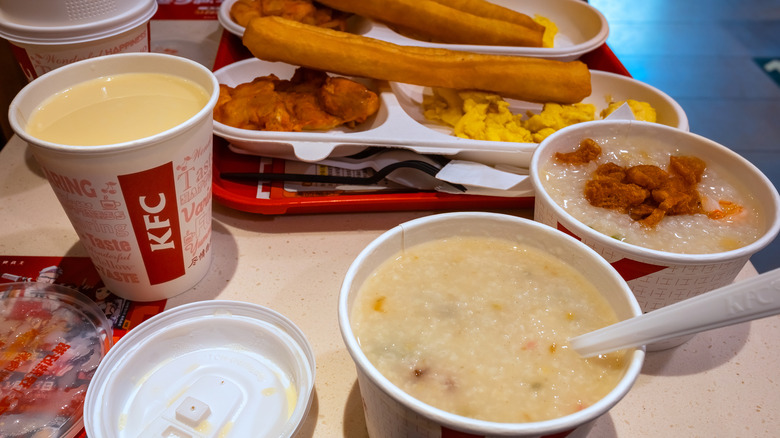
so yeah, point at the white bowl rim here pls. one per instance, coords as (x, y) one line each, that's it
(92, 64)
(459, 422)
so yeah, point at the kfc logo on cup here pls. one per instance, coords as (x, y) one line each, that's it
(150, 197)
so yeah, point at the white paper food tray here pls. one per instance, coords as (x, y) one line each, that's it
(581, 28)
(400, 122)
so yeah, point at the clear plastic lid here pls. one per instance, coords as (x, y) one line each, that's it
(210, 369)
(52, 339)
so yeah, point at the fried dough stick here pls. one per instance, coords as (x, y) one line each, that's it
(529, 79)
(442, 23)
(487, 9)
(305, 11)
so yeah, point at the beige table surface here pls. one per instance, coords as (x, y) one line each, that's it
(722, 383)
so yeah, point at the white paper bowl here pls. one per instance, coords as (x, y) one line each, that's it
(390, 127)
(392, 413)
(657, 278)
(581, 28)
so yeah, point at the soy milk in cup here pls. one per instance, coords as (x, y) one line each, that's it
(47, 34)
(126, 144)
(682, 255)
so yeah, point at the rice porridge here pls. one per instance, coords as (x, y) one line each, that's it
(683, 233)
(478, 327)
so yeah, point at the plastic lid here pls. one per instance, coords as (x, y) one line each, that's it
(207, 369)
(50, 22)
(51, 341)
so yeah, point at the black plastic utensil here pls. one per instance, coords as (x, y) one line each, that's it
(334, 179)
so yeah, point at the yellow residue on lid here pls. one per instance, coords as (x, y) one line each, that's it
(292, 399)
(225, 431)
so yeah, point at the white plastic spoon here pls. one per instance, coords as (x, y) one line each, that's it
(742, 301)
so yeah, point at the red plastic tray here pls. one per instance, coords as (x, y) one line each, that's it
(276, 200)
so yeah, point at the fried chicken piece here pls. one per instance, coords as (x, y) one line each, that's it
(615, 195)
(224, 96)
(298, 10)
(243, 11)
(653, 218)
(304, 11)
(305, 108)
(689, 168)
(338, 100)
(304, 80)
(588, 151)
(610, 170)
(676, 196)
(254, 105)
(351, 101)
(647, 193)
(310, 100)
(300, 95)
(643, 210)
(647, 176)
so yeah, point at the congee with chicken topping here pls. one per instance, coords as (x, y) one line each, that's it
(647, 193)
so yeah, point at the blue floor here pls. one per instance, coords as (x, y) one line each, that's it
(710, 56)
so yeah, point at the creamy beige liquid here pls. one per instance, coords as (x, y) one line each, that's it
(115, 109)
(479, 327)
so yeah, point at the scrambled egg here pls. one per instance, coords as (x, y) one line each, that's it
(550, 30)
(642, 110)
(556, 116)
(483, 116)
(478, 115)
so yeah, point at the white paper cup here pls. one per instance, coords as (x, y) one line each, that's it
(391, 412)
(658, 278)
(142, 208)
(205, 369)
(47, 34)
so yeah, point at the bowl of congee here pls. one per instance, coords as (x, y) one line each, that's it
(458, 324)
(675, 213)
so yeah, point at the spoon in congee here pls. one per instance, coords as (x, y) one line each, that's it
(745, 300)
